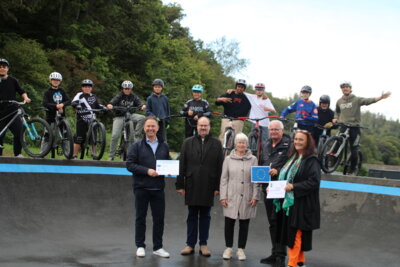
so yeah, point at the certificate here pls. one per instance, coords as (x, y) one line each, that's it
(276, 189)
(260, 174)
(167, 167)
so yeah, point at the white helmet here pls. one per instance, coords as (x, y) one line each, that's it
(127, 84)
(55, 76)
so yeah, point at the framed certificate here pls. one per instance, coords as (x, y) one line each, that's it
(260, 174)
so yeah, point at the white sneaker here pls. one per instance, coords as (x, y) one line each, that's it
(140, 252)
(161, 253)
(227, 255)
(20, 156)
(240, 254)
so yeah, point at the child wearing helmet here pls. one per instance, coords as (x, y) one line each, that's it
(9, 87)
(325, 116)
(157, 105)
(306, 111)
(194, 109)
(55, 98)
(83, 102)
(129, 100)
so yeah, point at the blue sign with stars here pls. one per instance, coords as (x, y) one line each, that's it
(260, 174)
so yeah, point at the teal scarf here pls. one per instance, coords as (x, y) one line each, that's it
(287, 173)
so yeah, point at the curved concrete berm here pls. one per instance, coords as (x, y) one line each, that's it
(51, 217)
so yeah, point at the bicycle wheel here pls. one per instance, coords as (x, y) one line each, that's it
(66, 137)
(125, 143)
(321, 143)
(37, 138)
(229, 142)
(97, 141)
(253, 142)
(347, 169)
(331, 156)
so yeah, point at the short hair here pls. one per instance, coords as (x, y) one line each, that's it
(150, 118)
(310, 147)
(208, 119)
(278, 122)
(241, 137)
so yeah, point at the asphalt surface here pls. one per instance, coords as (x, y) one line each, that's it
(88, 220)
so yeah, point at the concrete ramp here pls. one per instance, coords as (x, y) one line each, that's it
(81, 213)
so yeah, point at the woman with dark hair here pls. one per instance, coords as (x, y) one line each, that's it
(299, 212)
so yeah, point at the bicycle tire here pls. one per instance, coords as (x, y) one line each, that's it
(321, 143)
(253, 142)
(330, 162)
(67, 140)
(228, 142)
(346, 169)
(97, 141)
(37, 141)
(126, 138)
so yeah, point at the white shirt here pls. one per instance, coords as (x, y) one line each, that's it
(257, 111)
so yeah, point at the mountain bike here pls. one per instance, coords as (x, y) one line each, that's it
(322, 140)
(95, 141)
(337, 150)
(36, 136)
(127, 130)
(63, 141)
(229, 135)
(255, 142)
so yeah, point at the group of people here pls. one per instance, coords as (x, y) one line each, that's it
(204, 173)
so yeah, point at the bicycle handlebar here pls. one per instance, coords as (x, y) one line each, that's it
(350, 126)
(13, 102)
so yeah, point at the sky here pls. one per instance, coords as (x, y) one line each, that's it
(292, 43)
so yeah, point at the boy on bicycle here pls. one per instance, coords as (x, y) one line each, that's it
(9, 87)
(348, 111)
(158, 106)
(128, 100)
(325, 117)
(55, 98)
(194, 109)
(235, 104)
(306, 111)
(84, 102)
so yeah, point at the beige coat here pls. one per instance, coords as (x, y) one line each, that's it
(236, 186)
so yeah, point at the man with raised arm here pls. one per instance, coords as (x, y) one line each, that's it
(348, 111)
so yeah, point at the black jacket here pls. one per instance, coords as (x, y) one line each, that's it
(51, 98)
(239, 107)
(276, 156)
(305, 213)
(141, 158)
(124, 100)
(200, 170)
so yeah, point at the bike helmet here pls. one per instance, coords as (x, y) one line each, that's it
(197, 88)
(87, 82)
(345, 84)
(4, 61)
(241, 82)
(325, 99)
(259, 86)
(158, 82)
(55, 76)
(127, 84)
(306, 89)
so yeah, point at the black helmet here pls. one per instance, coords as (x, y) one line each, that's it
(4, 61)
(87, 82)
(306, 89)
(325, 99)
(158, 82)
(241, 82)
(345, 84)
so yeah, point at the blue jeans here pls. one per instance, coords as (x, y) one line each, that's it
(198, 224)
(156, 199)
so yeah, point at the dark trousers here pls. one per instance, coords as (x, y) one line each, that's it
(162, 131)
(277, 248)
(198, 224)
(243, 232)
(16, 130)
(354, 138)
(156, 199)
(190, 130)
(310, 129)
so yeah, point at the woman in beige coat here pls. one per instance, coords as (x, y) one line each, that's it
(238, 196)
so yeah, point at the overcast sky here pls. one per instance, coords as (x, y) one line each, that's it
(291, 43)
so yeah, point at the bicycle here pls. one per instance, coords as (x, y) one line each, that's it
(337, 151)
(95, 140)
(255, 142)
(63, 141)
(229, 135)
(126, 138)
(36, 136)
(322, 140)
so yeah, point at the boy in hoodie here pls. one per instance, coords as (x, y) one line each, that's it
(325, 117)
(348, 111)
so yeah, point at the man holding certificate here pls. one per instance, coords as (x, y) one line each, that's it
(199, 174)
(275, 155)
(148, 186)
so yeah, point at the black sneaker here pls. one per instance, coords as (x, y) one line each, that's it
(280, 262)
(269, 260)
(301, 264)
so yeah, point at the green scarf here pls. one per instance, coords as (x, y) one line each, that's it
(288, 171)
